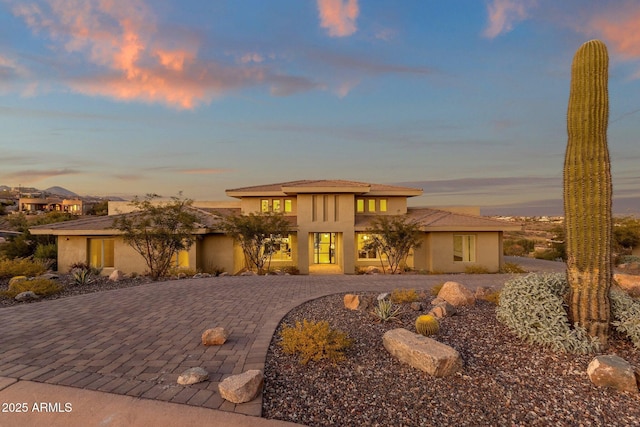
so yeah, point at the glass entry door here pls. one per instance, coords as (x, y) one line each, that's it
(324, 248)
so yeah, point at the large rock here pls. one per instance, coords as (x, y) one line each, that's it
(456, 294)
(612, 371)
(215, 336)
(422, 353)
(630, 283)
(242, 388)
(358, 302)
(193, 376)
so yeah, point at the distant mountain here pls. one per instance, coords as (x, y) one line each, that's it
(59, 191)
(4, 188)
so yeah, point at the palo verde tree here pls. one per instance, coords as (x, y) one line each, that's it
(158, 231)
(258, 234)
(393, 236)
(587, 192)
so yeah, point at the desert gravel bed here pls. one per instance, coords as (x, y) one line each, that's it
(504, 381)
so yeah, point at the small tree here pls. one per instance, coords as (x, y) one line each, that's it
(258, 235)
(158, 231)
(394, 236)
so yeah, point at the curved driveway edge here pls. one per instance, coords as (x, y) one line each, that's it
(136, 341)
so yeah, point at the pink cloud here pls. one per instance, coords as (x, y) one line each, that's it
(205, 171)
(134, 61)
(503, 14)
(620, 29)
(338, 16)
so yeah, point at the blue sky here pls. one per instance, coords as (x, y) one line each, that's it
(465, 99)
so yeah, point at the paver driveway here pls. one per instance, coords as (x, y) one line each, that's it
(136, 341)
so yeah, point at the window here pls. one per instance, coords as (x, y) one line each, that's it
(372, 205)
(363, 253)
(280, 248)
(180, 259)
(264, 205)
(383, 205)
(360, 205)
(287, 205)
(276, 205)
(101, 253)
(464, 247)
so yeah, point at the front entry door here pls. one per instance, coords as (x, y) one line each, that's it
(324, 248)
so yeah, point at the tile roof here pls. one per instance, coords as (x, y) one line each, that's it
(321, 183)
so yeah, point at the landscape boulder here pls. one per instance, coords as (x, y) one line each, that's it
(613, 371)
(215, 336)
(26, 296)
(630, 283)
(456, 294)
(483, 292)
(372, 270)
(358, 302)
(242, 388)
(193, 376)
(116, 275)
(416, 306)
(248, 273)
(442, 310)
(423, 353)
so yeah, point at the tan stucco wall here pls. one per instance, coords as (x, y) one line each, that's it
(215, 251)
(440, 252)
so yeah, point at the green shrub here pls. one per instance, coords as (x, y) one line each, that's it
(548, 255)
(533, 308)
(627, 259)
(512, 268)
(314, 341)
(626, 314)
(385, 312)
(42, 287)
(476, 269)
(401, 295)
(21, 267)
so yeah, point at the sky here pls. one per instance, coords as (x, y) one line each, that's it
(465, 99)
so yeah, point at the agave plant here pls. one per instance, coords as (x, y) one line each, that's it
(82, 277)
(385, 311)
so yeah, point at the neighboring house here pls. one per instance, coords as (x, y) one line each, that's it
(53, 204)
(330, 220)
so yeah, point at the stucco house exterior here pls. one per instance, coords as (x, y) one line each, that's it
(329, 220)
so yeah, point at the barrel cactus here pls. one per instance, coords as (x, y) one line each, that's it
(587, 192)
(427, 325)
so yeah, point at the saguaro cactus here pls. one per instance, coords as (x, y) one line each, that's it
(587, 192)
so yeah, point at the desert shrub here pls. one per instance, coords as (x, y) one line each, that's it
(512, 268)
(385, 311)
(401, 295)
(493, 297)
(42, 287)
(436, 289)
(291, 269)
(21, 267)
(548, 255)
(46, 251)
(476, 269)
(82, 277)
(314, 341)
(533, 308)
(626, 313)
(518, 247)
(80, 265)
(180, 272)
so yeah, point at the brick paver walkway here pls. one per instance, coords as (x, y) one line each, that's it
(136, 341)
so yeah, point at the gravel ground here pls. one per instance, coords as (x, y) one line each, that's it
(504, 380)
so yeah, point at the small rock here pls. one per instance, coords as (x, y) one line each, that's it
(242, 388)
(116, 276)
(630, 283)
(416, 306)
(223, 274)
(215, 336)
(456, 294)
(372, 270)
(193, 376)
(382, 296)
(483, 291)
(612, 371)
(248, 273)
(351, 301)
(26, 296)
(49, 276)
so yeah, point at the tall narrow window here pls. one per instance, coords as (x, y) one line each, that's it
(287, 205)
(372, 205)
(464, 247)
(264, 205)
(383, 205)
(276, 205)
(180, 259)
(101, 253)
(360, 205)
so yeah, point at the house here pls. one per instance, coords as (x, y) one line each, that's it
(32, 205)
(330, 219)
